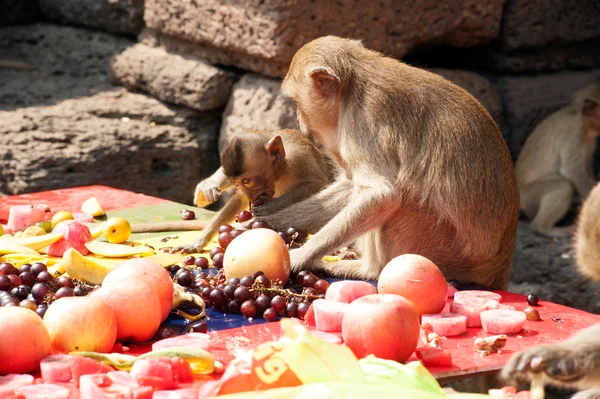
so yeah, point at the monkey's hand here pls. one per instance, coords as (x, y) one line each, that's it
(206, 193)
(301, 260)
(196, 247)
(560, 364)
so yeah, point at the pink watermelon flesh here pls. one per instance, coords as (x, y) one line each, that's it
(195, 340)
(434, 357)
(10, 382)
(446, 324)
(329, 314)
(348, 291)
(44, 391)
(185, 393)
(84, 365)
(56, 368)
(21, 217)
(156, 369)
(451, 291)
(82, 217)
(330, 337)
(467, 296)
(117, 384)
(473, 309)
(502, 321)
(75, 235)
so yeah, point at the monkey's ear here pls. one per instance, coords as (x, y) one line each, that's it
(275, 149)
(589, 106)
(325, 80)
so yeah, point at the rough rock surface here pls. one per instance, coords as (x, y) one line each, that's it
(255, 103)
(67, 62)
(118, 16)
(534, 23)
(176, 79)
(18, 11)
(116, 138)
(259, 36)
(527, 100)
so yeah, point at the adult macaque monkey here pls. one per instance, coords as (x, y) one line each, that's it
(282, 166)
(574, 363)
(556, 161)
(426, 168)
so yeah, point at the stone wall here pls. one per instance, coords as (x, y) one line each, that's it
(143, 94)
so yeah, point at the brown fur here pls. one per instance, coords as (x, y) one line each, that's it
(426, 168)
(574, 363)
(556, 162)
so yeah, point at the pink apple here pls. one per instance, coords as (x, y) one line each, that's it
(385, 325)
(75, 235)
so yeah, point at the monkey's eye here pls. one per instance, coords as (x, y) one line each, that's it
(246, 181)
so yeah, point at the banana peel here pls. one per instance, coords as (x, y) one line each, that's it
(18, 260)
(38, 242)
(9, 246)
(57, 270)
(88, 269)
(109, 250)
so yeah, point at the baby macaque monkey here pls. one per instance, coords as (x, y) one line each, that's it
(574, 363)
(556, 161)
(282, 167)
(425, 168)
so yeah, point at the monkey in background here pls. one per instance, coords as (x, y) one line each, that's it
(574, 363)
(425, 168)
(556, 161)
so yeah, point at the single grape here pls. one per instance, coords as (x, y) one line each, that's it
(218, 261)
(247, 281)
(7, 268)
(206, 293)
(20, 292)
(229, 291)
(309, 280)
(44, 277)
(189, 260)
(26, 303)
(291, 232)
(185, 278)
(309, 291)
(296, 235)
(233, 306)
(15, 280)
(218, 299)
(263, 280)
(165, 332)
(291, 309)
(236, 233)
(216, 250)
(270, 314)
(5, 283)
(226, 228)
(27, 278)
(65, 292)
(278, 302)
(242, 294)
(39, 291)
(10, 301)
(41, 309)
(532, 313)
(260, 224)
(31, 298)
(38, 267)
(234, 281)
(321, 286)
(80, 290)
(65, 281)
(532, 300)
(244, 216)
(248, 308)
(201, 262)
(302, 309)
(174, 269)
(300, 276)
(285, 236)
(221, 286)
(224, 239)
(197, 327)
(188, 215)
(263, 302)
(25, 267)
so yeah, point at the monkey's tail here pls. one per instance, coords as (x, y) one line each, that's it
(155, 227)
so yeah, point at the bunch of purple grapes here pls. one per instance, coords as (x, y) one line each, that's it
(34, 287)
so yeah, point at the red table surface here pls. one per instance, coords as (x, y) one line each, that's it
(226, 343)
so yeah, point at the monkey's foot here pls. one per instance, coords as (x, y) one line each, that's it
(560, 365)
(593, 393)
(186, 249)
(349, 268)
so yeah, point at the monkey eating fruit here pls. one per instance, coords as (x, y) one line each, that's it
(282, 167)
(556, 161)
(425, 168)
(574, 363)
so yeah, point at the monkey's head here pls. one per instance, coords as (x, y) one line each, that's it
(318, 75)
(253, 163)
(587, 99)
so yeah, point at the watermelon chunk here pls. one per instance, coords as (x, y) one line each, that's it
(329, 314)
(156, 373)
(348, 290)
(309, 317)
(446, 324)
(451, 291)
(56, 368)
(331, 337)
(44, 391)
(21, 217)
(82, 217)
(116, 384)
(184, 393)
(467, 296)
(473, 309)
(75, 235)
(195, 340)
(502, 321)
(84, 365)
(434, 357)
(10, 382)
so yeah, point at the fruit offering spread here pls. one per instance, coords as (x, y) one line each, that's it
(89, 313)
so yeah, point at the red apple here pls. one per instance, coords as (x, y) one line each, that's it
(417, 279)
(384, 325)
(75, 235)
(25, 340)
(81, 324)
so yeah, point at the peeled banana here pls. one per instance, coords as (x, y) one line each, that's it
(117, 250)
(37, 242)
(88, 269)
